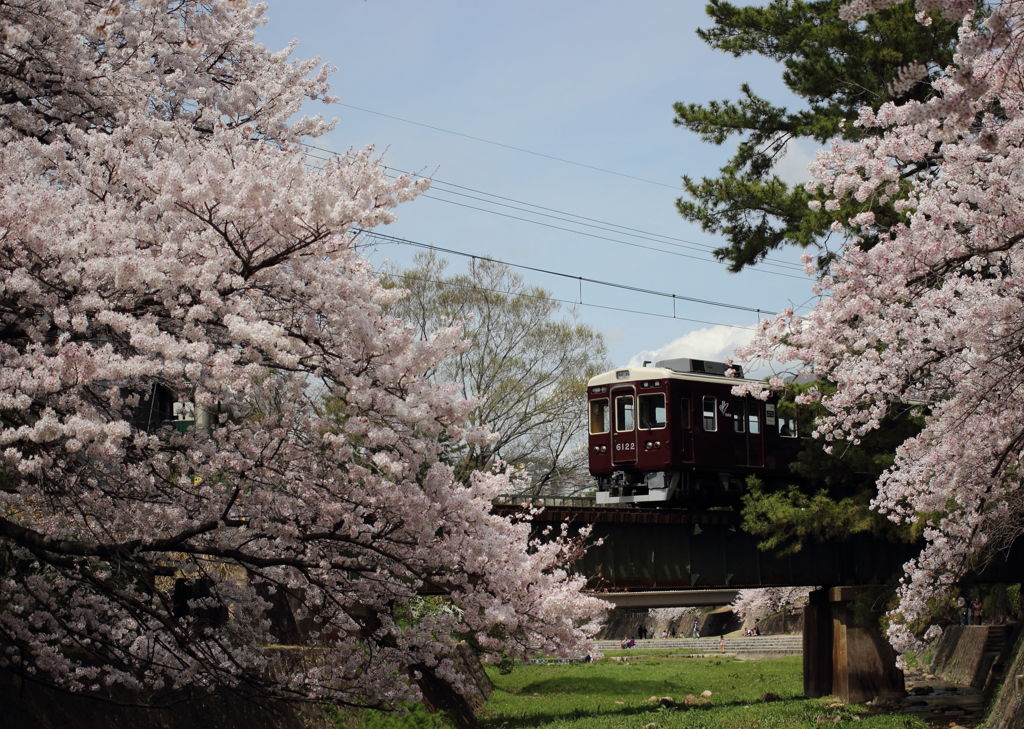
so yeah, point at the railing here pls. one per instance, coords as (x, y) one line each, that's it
(558, 502)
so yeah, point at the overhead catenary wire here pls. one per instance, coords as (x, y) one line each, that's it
(654, 237)
(598, 237)
(507, 146)
(560, 274)
(577, 219)
(580, 279)
(618, 241)
(557, 214)
(522, 294)
(675, 297)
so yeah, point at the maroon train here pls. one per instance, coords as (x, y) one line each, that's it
(675, 433)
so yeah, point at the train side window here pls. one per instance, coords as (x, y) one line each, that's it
(624, 413)
(684, 421)
(710, 414)
(600, 414)
(753, 419)
(651, 411)
(787, 427)
(739, 421)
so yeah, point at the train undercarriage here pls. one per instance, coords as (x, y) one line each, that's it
(674, 488)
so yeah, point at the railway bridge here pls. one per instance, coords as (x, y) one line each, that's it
(675, 557)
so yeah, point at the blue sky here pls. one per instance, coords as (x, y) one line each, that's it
(592, 82)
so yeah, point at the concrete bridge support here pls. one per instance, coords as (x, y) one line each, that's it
(845, 654)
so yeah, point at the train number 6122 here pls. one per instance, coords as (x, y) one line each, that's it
(625, 446)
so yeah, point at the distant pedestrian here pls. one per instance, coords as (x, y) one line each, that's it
(976, 611)
(721, 643)
(696, 630)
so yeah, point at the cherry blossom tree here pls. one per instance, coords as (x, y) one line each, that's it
(931, 316)
(758, 603)
(161, 238)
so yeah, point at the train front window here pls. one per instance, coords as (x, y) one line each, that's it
(599, 416)
(710, 414)
(787, 427)
(754, 420)
(651, 411)
(624, 413)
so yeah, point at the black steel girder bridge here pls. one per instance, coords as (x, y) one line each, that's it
(641, 557)
(675, 549)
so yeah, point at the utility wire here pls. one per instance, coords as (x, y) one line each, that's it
(563, 215)
(614, 227)
(508, 146)
(581, 279)
(417, 244)
(435, 181)
(596, 236)
(643, 236)
(581, 232)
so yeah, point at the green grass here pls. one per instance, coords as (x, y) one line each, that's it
(614, 694)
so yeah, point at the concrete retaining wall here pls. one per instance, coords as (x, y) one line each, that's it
(991, 659)
(1008, 708)
(960, 655)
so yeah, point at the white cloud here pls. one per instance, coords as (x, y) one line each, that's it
(713, 343)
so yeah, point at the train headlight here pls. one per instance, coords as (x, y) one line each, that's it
(621, 374)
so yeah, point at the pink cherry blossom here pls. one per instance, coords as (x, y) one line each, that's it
(930, 318)
(161, 235)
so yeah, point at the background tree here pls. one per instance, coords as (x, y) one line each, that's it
(837, 68)
(525, 365)
(160, 233)
(932, 312)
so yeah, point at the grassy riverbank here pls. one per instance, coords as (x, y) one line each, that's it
(617, 693)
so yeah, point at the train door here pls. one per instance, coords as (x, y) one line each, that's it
(755, 432)
(685, 431)
(747, 433)
(624, 436)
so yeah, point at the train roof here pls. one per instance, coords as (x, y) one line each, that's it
(693, 370)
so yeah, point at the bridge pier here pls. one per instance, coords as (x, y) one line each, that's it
(845, 654)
